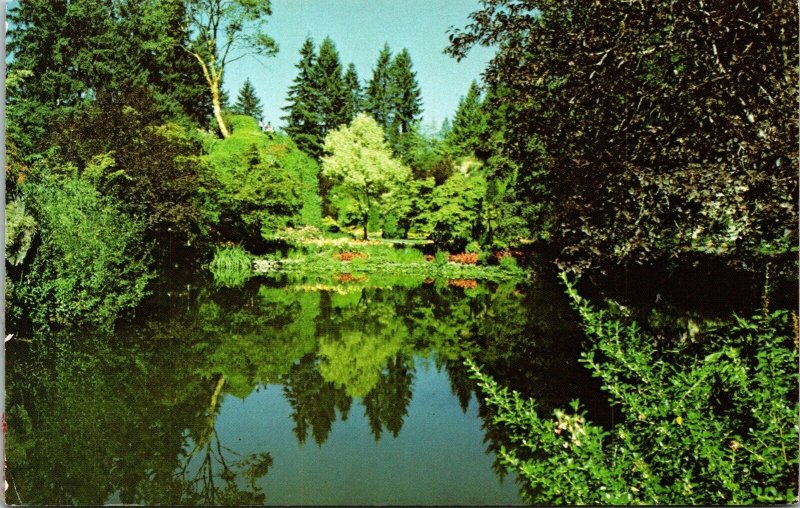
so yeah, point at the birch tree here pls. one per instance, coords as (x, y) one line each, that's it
(222, 32)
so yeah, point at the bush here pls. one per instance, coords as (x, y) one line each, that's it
(711, 426)
(91, 263)
(20, 228)
(453, 215)
(256, 185)
(231, 266)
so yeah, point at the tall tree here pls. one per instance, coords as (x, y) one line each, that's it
(406, 101)
(248, 103)
(220, 27)
(469, 123)
(155, 31)
(380, 90)
(362, 163)
(68, 50)
(330, 87)
(355, 96)
(303, 119)
(663, 131)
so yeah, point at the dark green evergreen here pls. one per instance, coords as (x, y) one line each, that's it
(330, 87)
(406, 99)
(469, 123)
(248, 103)
(380, 90)
(354, 102)
(303, 121)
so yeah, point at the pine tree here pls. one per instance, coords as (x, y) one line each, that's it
(406, 100)
(330, 88)
(444, 132)
(248, 103)
(355, 96)
(469, 123)
(380, 90)
(303, 122)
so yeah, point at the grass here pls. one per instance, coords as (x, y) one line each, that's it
(231, 266)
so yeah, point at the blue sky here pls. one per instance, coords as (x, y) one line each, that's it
(359, 29)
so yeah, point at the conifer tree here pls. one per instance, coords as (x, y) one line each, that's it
(355, 95)
(405, 100)
(248, 103)
(330, 88)
(380, 90)
(469, 123)
(303, 122)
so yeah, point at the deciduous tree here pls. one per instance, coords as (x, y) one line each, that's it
(224, 31)
(361, 162)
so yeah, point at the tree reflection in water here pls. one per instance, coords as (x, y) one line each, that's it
(136, 413)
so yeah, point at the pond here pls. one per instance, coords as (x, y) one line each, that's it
(289, 391)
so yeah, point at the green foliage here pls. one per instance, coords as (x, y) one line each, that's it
(121, 145)
(354, 100)
(231, 266)
(91, 263)
(75, 50)
(469, 124)
(20, 228)
(453, 216)
(303, 121)
(407, 101)
(707, 424)
(380, 89)
(362, 163)
(331, 90)
(615, 130)
(320, 99)
(257, 184)
(248, 103)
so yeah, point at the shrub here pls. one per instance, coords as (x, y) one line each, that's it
(231, 266)
(711, 426)
(91, 263)
(20, 228)
(509, 262)
(464, 259)
(256, 185)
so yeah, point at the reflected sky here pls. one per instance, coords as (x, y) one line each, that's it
(289, 392)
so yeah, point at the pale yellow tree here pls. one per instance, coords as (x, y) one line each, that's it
(360, 161)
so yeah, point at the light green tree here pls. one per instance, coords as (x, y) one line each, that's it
(361, 162)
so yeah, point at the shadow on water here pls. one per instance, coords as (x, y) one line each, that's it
(279, 391)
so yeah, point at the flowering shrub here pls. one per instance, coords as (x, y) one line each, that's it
(350, 255)
(467, 258)
(714, 426)
(463, 283)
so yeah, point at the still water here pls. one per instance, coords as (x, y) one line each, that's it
(289, 391)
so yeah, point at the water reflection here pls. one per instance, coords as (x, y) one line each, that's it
(135, 418)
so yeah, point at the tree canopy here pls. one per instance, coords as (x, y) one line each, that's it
(224, 31)
(361, 161)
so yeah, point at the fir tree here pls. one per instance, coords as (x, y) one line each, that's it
(330, 88)
(303, 119)
(406, 102)
(444, 132)
(380, 90)
(355, 95)
(248, 103)
(469, 123)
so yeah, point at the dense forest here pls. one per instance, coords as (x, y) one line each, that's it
(602, 137)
